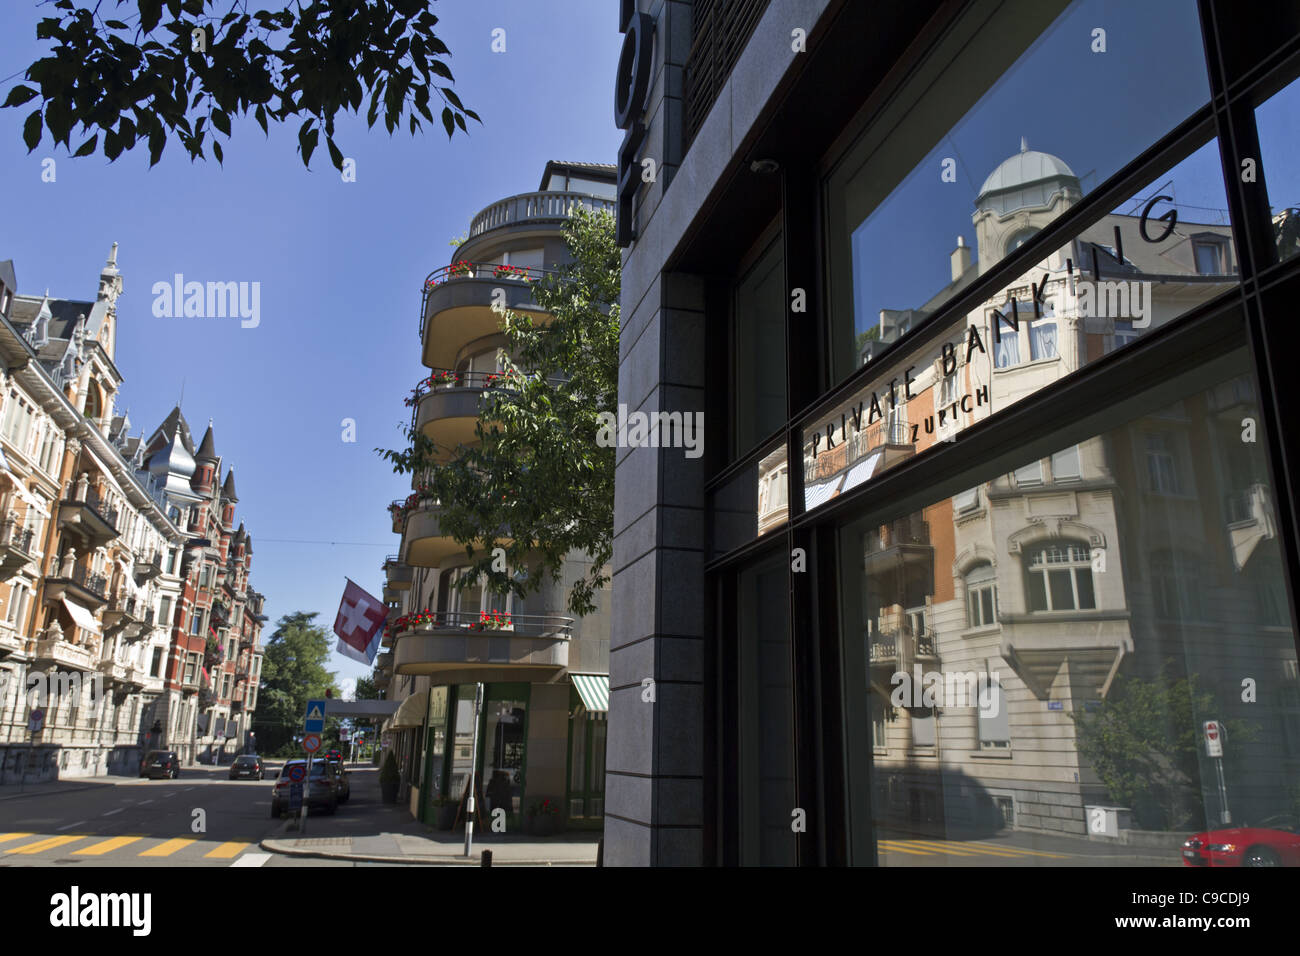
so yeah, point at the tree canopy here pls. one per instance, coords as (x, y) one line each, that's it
(536, 485)
(186, 68)
(293, 672)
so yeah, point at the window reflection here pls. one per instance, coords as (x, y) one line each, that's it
(972, 155)
(1031, 664)
(1278, 122)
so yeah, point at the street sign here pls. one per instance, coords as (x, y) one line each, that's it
(1213, 739)
(36, 720)
(297, 772)
(311, 743)
(315, 721)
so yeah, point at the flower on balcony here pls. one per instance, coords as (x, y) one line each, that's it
(511, 272)
(444, 377)
(544, 809)
(429, 284)
(463, 267)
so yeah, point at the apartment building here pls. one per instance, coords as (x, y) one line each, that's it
(95, 547)
(545, 674)
(992, 307)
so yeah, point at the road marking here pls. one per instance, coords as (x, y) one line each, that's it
(49, 843)
(143, 802)
(108, 846)
(111, 812)
(169, 847)
(6, 837)
(252, 859)
(225, 851)
(902, 849)
(69, 826)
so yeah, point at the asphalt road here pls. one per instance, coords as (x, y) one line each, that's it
(200, 819)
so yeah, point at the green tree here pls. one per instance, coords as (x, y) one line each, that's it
(293, 672)
(366, 689)
(144, 77)
(536, 484)
(1143, 741)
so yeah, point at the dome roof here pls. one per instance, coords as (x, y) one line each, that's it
(1026, 166)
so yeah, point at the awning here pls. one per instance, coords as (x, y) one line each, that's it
(594, 691)
(81, 617)
(814, 495)
(861, 471)
(412, 711)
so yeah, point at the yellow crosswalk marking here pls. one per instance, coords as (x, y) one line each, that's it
(49, 843)
(902, 849)
(225, 851)
(966, 849)
(1027, 852)
(107, 846)
(943, 848)
(168, 847)
(6, 837)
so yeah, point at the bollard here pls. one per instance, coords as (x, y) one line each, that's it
(487, 858)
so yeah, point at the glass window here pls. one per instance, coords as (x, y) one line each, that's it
(974, 156)
(1079, 717)
(765, 696)
(504, 737)
(1076, 305)
(1030, 474)
(759, 347)
(1279, 145)
(1065, 464)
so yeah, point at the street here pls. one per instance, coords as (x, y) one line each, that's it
(127, 822)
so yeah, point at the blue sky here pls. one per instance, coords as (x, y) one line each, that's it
(340, 266)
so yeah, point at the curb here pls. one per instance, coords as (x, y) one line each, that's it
(50, 793)
(271, 847)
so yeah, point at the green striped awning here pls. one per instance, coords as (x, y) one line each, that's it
(594, 691)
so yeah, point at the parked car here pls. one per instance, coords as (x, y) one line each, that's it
(343, 784)
(1274, 841)
(322, 793)
(161, 764)
(247, 765)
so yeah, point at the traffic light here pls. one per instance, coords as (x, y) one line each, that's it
(329, 692)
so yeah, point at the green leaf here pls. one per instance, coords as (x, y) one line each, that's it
(18, 96)
(88, 147)
(448, 122)
(307, 140)
(216, 151)
(221, 121)
(336, 154)
(32, 131)
(260, 115)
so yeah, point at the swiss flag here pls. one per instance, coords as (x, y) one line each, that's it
(360, 623)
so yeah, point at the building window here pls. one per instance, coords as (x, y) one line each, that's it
(759, 347)
(1065, 464)
(1030, 474)
(1038, 333)
(879, 722)
(155, 666)
(171, 552)
(993, 719)
(1177, 590)
(196, 621)
(1209, 258)
(1059, 577)
(966, 501)
(981, 596)
(1163, 475)
(165, 611)
(924, 734)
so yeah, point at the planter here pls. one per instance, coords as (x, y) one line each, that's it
(545, 824)
(445, 816)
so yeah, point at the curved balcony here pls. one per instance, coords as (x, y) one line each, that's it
(464, 647)
(424, 545)
(398, 575)
(533, 209)
(447, 407)
(464, 301)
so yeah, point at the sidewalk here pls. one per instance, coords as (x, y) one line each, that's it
(368, 830)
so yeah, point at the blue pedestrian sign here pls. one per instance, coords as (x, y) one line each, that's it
(315, 722)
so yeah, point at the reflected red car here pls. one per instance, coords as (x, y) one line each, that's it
(1274, 841)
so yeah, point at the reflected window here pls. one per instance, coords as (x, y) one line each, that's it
(759, 349)
(1279, 143)
(992, 717)
(1163, 474)
(981, 596)
(1065, 464)
(1030, 474)
(1059, 577)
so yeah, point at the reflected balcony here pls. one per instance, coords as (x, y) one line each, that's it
(87, 589)
(467, 647)
(147, 567)
(126, 615)
(60, 653)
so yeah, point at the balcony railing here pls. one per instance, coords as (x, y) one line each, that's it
(905, 531)
(464, 269)
(95, 503)
(534, 207)
(14, 536)
(883, 646)
(83, 578)
(553, 626)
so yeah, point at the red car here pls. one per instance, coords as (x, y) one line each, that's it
(1272, 842)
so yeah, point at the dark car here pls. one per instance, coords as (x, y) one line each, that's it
(247, 765)
(1274, 841)
(160, 765)
(342, 784)
(322, 794)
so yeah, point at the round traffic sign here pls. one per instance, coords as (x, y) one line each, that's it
(297, 772)
(311, 743)
(37, 714)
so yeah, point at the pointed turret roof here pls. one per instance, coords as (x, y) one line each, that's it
(228, 489)
(207, 447)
